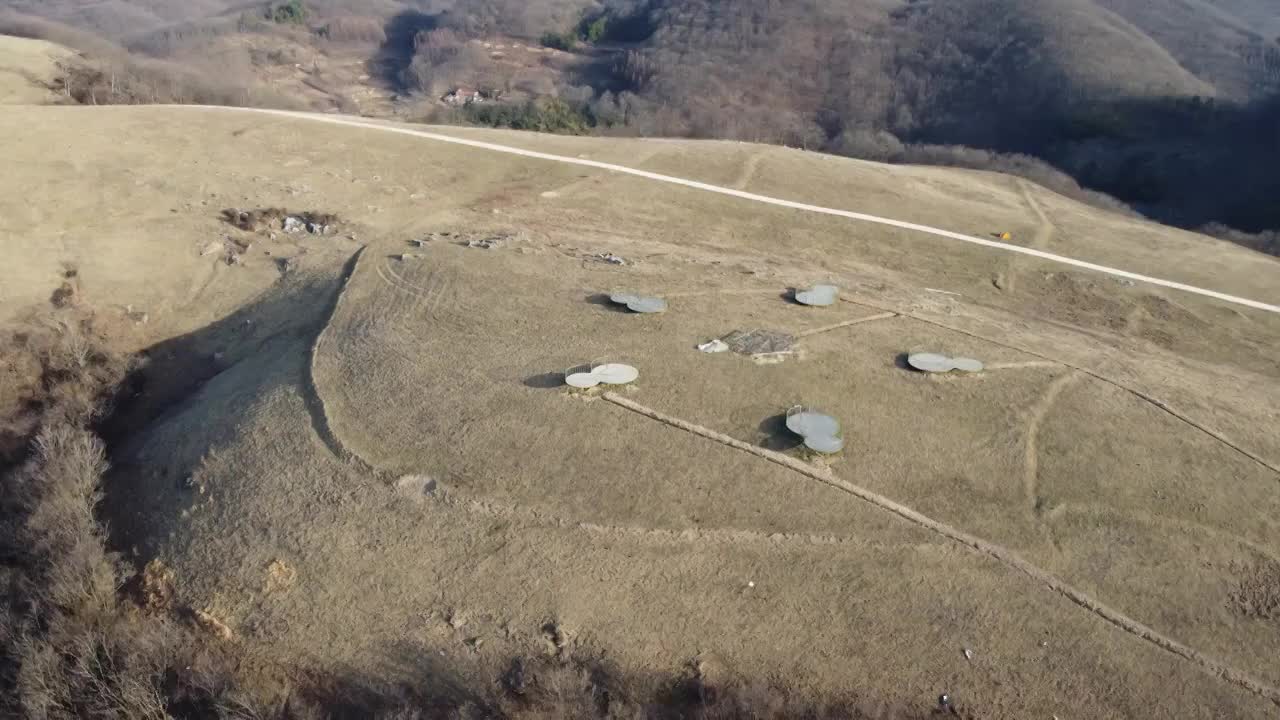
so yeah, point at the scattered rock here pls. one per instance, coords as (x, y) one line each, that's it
(294, 225)
(265, 219)
(714, 346)
(490, 243)
(610, 258)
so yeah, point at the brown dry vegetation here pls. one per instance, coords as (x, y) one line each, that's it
(54, 370)
(613, 591)
(73, 646)
(82, 635)
(106, 74)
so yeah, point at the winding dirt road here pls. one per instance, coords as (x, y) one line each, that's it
(753, 197)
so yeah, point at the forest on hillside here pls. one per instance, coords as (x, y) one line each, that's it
(1044, 88)
(1169, 106)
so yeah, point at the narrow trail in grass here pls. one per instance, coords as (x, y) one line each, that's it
(999, 553)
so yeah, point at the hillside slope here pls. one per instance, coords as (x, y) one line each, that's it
(1237, 54)
(29, 70)
(1143, 101)
(120, 18)
(364, 458)
(1258, 14)
(976, 72)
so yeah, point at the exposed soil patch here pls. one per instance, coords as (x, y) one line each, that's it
(267, 220)
(1257, 595)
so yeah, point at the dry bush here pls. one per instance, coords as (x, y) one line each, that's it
(88, 674)
(470, 64)
(185, 37)
(354, 29)
(130, 80)
(551, 689)
(868, 144)
(59, 491)
(1023, 166)
(442, 59)
(29, 26)
(70, 646)
(107, 74)
(558, 689)
(58, 369)
(1267, 241)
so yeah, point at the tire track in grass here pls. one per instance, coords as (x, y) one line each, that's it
(999, 553)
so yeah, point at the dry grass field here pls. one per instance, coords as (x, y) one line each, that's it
(358, 455)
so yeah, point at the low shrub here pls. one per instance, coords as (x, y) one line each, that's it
(290, 12)
(565, 41)
(551, 115)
